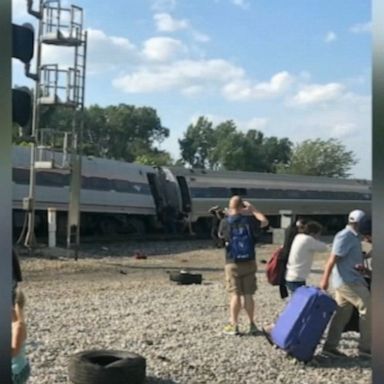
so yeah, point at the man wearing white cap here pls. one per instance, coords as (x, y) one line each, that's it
(351, 289)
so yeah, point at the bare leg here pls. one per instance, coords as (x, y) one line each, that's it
(234, 308)
(249, 306)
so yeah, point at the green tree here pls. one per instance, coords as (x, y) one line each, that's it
(121, 132)
(276, 153)
(225, 147)
(155, 158)
(198, 142)
(320, 158)
(224, 134)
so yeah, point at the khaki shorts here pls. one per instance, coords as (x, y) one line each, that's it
(240, 277)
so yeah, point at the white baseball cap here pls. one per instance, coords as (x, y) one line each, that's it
(356, 216)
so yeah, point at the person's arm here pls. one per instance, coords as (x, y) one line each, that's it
(319, 246)
(259, 216)
(222, 230)
(18, 337)
(324, 283)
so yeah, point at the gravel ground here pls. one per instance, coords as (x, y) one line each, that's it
(109, 300)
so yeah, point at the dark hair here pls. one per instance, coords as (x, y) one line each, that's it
(299, 223)
(312, 227)
(365, 227)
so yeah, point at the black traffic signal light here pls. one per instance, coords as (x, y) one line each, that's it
(23, 39)
(21, 106)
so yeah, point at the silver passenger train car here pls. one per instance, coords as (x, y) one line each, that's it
(126, 197)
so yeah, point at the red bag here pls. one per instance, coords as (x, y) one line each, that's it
(275, 267)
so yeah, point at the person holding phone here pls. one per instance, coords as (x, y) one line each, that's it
(239, 232)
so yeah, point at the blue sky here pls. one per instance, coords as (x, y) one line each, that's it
(299, 69)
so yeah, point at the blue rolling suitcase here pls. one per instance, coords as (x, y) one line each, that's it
(300, 326)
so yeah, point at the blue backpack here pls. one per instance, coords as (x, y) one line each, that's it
(241, 246)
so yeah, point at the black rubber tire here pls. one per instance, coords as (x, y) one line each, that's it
(107, 367)
(186, 278)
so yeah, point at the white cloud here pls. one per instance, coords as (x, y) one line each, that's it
(162, 48)
(180, 74)
(347, 118)
(193, 90)
(317, 93)
(200, 37)
(361, 27)
(163, 5)
(104, 52)
(109, 52)
(330, 37)
(258, 123)
(191, 77)
(241, 3)
(244, 90)
(343, 130)
(166, 23)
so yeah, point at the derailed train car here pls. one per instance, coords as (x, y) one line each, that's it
(272, 193)
(126, 197)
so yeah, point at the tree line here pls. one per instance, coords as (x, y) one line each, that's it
(133, 134)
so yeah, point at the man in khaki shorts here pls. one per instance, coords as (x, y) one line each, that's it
(238, 230)
(351, 289)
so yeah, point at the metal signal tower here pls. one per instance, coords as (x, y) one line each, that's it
(59, 86)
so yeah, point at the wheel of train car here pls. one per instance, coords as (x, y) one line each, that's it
(108, 226)
(186, 278)
(107, 367)
(135, 226)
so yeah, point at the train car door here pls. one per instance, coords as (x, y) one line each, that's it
(186, 201)
(158, 196)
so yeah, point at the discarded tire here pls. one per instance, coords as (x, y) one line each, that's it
(107, 367)
(186, 278)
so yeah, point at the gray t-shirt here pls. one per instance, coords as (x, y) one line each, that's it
(347, 246)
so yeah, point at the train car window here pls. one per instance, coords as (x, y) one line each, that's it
(96, 183)
(305, 195)
(239, 191)
(199, 192)
(218, 192)
(121, 185)
(52, 179)
(210, 192)
(258, 193)
(20, 175)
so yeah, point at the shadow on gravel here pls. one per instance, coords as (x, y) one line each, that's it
(320, 361)
(155, 380)
(167, 269)
(126, 249)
